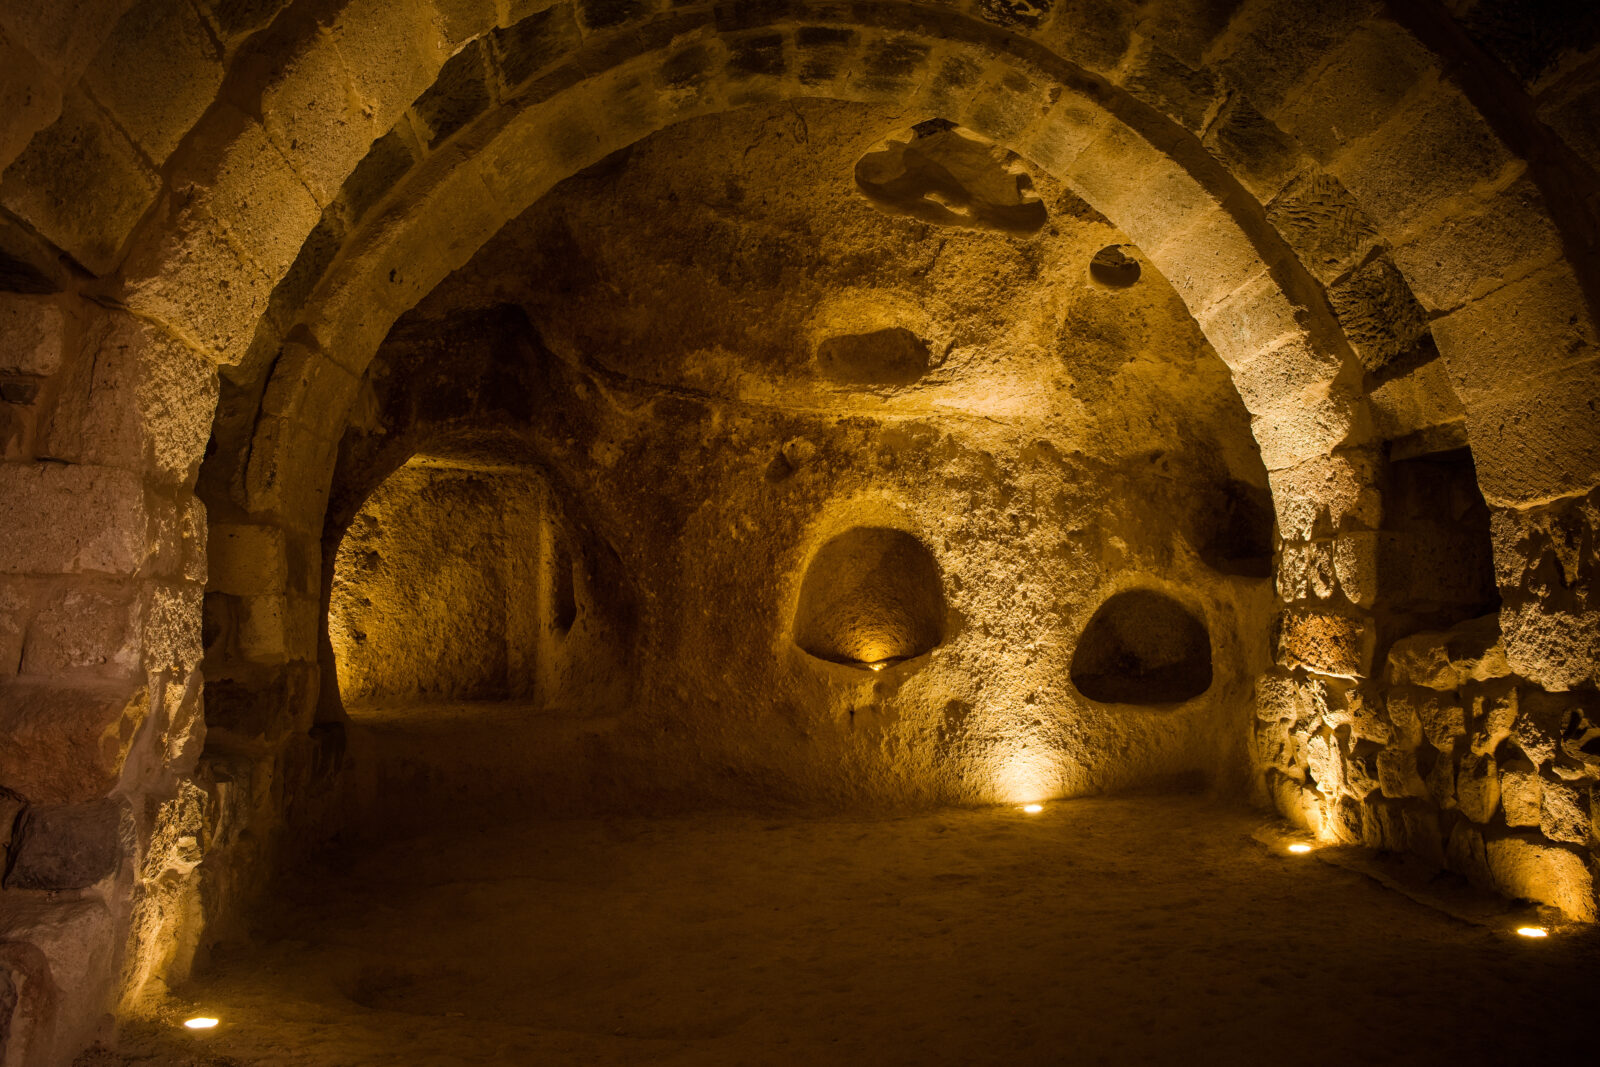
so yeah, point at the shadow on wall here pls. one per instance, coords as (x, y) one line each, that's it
(1142, 647)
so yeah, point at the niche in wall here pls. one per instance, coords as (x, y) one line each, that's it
(450, 584)
(871, 595)
(1438, 559)
(1142, 647)
(940, 173)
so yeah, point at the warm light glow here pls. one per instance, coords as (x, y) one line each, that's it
(880, 665)
(200, 1022)
(1299, 847)
(1533, 931)
(1033, 809)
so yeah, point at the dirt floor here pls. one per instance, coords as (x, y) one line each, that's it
(1134, 930)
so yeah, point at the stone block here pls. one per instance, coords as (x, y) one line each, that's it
(1542, 718)
(1276, 747)
(247, 560)
(1321, 573)
(1529, 867)
(1345, 820)
(1367, 722)
(66, 745)
(1441, 781)
(1326, 763)
(1477, 787)
(234, 19)
(1494, 716)
(1383, 827)
(1326, 495)
(1477, 249)
(80, 184)
(1257, 331)
(92, 626)
(1523, 330)
(1397, 774)
(32, 334)
(534, 43)
(72, 519)
(1196, 245)
(458, 95)
(890, 65)
(1325, 642)
(1355, 561)
(30, 94)
(1278, 698)
(1298, 803)
(1272, 46)
(1285, 370)
(1256, 152)
(135, 398)
(307, 386)
(1521, 791)
(1318, 422)
(1564, 812)
(171, 628)
(1361, 773)
(1184, 93)
(1556, 645)
(604, 14)
(1292, 578)
(1437, 148)
(1325, 226)
(1381, 319)
(70, 846)
(191, 277)
(464, 20)
(1092, 33)
(390, 158)
(1355, 89)
(823, 52)
(1443, 719)
(1400, 705)
(1470, 651)
(157, 73)
(192, 533)
(1421, 403)
(76, 942)
(267, 706)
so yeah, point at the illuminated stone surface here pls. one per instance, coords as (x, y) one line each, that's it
(718, 283)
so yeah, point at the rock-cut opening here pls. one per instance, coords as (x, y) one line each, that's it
(872, 595)
(1142, 647)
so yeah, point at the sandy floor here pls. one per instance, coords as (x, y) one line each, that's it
(1136, 930)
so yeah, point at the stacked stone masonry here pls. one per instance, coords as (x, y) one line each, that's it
(211, 214)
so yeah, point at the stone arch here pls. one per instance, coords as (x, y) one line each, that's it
(1281, 237)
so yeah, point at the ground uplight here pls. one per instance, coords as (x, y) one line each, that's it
(1033, 809)
(200, 1022)
(1299, 848)
(1533, 931)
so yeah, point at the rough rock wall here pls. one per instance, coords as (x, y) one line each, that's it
(439, 588)
(728, 357)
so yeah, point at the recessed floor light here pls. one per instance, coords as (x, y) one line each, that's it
(1533, 931)
(200, 1022)
(1033, 809)
(1299, 848)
